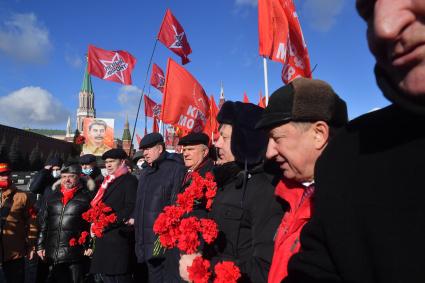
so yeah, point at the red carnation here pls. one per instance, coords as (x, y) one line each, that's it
(208, 230)
(32, 212)
(185, 201)
(199, 270)
(83, 237)
(73, 242)
(188, 241)
(226, 272)
(80, 140)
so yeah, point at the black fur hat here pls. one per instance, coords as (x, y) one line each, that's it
(247, 143)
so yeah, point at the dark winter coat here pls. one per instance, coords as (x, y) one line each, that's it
(247, 217)
(158, 186)
(113, 252)
(41, 185)
(369, 212)
(96, 176)
(61, 224)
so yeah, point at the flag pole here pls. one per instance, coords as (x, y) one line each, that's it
(266, 83)
(143, 92)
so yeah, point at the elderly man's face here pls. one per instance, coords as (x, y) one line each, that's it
(193, 155)
(396, 35)
(223, 145)
(297, 148)
(152, 153)
(68, 180)
(97, 134)
(112, 165)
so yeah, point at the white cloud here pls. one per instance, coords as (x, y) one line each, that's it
(74, 60)
(322, 14)
(131, 89)
(129, 96)
(25, 39)
(253, 3)
(30, 106)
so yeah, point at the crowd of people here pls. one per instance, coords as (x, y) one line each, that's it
(303, 194)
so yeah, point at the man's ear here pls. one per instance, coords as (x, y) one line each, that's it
(206, 152)
(320, 134)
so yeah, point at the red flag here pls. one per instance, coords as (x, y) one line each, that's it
(281, 38)
(155, 128)
(157, 78)
(262, 101)
(185, 103)
(245, 98)
(113, 66)
(172, 35)
(139, 139)
(213, 124)
(152, 109)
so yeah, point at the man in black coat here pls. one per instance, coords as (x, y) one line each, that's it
(159, 184)
(62, 222)
(113, 252)
(245, 208)
(369, 216)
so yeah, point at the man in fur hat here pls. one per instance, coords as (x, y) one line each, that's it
(245, 209)
(300, 119)
(18, 229)
(368, 223)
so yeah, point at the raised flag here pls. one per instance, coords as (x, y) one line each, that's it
(245, 98)
(172, 35)
(185, 104)
(262, 101)
(113, 66)
(157, 78)
(212, 129)
(139, 139)
(152, 109)
(155, 128)
(281, 38)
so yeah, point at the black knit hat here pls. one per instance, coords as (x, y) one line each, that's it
(87, 159)
(54, 161)
(304, 100)
(247, 143)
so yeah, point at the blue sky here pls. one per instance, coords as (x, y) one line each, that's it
(42, 47)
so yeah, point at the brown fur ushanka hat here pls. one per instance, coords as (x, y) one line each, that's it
(304, 100)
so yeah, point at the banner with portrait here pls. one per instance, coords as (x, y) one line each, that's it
(99, 135)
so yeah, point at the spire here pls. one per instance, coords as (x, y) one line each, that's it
(86, 101)
(222, 99)
(68, 127)
(87, 87)
(126, 136)
(222, 92)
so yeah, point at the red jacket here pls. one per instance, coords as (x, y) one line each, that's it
(287, 237)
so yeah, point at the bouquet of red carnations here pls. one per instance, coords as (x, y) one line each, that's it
(100, 216)
(176, 228)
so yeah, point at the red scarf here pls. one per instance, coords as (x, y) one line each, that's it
(106, 182)
(67, 194)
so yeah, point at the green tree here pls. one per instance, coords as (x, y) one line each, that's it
(35, 159)
(4, 150)
(15, 155)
